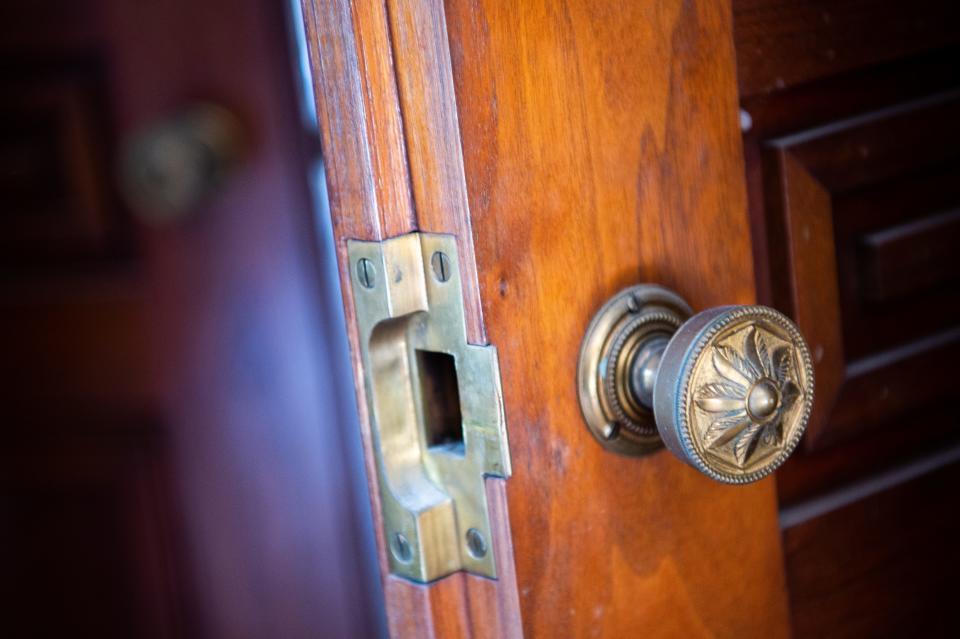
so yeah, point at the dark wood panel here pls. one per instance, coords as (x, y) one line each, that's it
(83, 338)
(56, 173)
(914, 436)
(88, 519)
(913, 256)
(782, 43)
(922, 197)
(851, 93)
(828, 192)
(879, 145)
(881, 566)
(880, 389)
(851, 115)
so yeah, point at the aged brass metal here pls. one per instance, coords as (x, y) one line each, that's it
(435, 406)
(615, 339)
(729, 390)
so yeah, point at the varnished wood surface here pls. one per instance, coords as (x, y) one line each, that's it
(599, 148)
(828, 193)
(373, 94)
(852, 168)
(784, 43)
(916, 255)
(807, 476)
(883, 566)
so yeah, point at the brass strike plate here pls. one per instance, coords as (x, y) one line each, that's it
(435, 406)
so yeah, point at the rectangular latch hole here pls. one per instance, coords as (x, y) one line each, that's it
(441, 401)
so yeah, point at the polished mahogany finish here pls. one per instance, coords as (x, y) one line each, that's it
(572, 149)
(575, 149)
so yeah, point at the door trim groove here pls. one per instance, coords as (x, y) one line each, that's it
(819, 506)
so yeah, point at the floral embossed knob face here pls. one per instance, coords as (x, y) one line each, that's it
(728, 391)
(734, 392)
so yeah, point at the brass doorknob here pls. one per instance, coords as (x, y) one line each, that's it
(728, 390)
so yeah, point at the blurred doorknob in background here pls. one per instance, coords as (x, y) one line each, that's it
(173, 164)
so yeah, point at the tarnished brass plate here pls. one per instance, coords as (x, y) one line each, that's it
(435, 406)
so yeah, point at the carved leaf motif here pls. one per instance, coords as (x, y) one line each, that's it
(733, 433)
(732, 367)
(721, 397)
(720, 404)
(789, 393)
(725, 390)
(781, 364)
(749, 351)
(763, 354)
(723, 429)
(745, 444)
(742, 362)
(772, 434)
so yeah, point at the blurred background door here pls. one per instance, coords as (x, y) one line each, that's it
(179, 449)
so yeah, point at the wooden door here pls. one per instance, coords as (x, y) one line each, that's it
(798, 154)
(572, 149)
(171, 461)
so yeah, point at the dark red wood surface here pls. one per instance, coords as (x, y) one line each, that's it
(879, 566)
(176, 457)
(852, 171)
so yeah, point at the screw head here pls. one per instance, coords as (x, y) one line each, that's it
(366, 272)
(611, 430)
(476, 544)
(400, 548)
(440, 264)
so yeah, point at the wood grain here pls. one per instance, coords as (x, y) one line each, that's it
(367, 170)
(425, 78)
(340, 35)
(601, 149)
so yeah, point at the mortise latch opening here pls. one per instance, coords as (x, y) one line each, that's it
(443, 421)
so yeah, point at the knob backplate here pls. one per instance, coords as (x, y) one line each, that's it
(612, 342)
